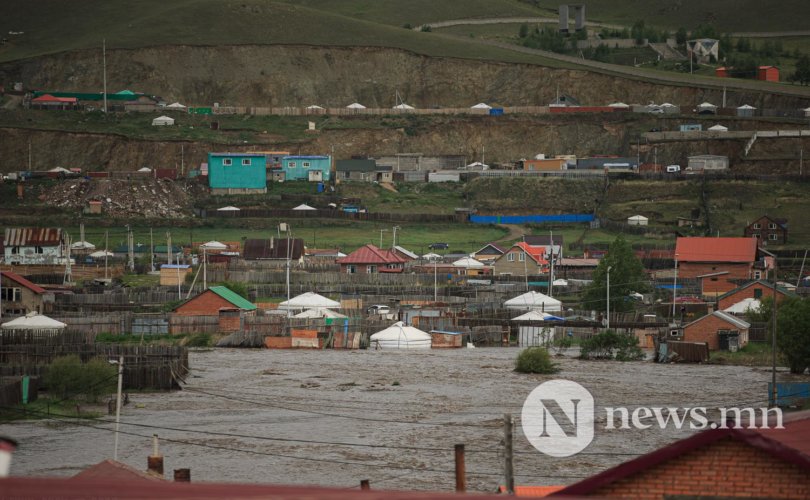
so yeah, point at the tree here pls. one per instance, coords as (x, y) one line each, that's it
(793, 335)
(67, 378)
(523, 32)
(802, 73)
(626, 276)
(680, 36)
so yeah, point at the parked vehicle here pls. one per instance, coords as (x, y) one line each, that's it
(673, 169)
(378, 309)
(438, 246)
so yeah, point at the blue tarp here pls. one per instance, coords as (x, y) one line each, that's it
(530, 219)
(669, 286)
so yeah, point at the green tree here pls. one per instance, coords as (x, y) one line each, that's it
(802, 73)
(680, 36)
(793, 335)
(535, 360)
(611, 345)
(626, 276)
(67, 377)
(523, 32)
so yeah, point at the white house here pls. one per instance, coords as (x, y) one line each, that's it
(163, 121)
(23, 246)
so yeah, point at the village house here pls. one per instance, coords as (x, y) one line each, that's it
(756, 461)
(307, 168)
(218, 301)
(274, 249)
(552, 245)
(370, 259)
(758, 290)
(718, 263)
(363, 170)
(488, 253)
(768, 230)
(237, 173)
(543, 165)
(26, 246)
(719, 330)
(18, 296)
(521, 259)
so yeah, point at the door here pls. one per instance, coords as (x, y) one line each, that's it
(315, 176)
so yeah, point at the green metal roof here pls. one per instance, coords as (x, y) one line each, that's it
(233, 298)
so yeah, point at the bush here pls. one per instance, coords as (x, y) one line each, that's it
(611, 345)
(199, 340)
(535, 360)
(67, 377)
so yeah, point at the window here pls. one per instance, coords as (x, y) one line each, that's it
(227, 162)
(10, 294)
(510, 257)
(757, 275)
(291, 164)
(757, 235)
(245, 162)
(521, 257)
(674, 333)
(757, 226)
(371, 269)
(757, 293)
(38, 250)
(305, 164)
(351, 269)
(771, 226)
(15, 250)
(773, 236)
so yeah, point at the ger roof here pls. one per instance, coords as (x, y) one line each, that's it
(716, 249)
(791, 445)
(370, 254)
(233, 298)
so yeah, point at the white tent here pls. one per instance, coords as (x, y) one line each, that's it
(59, 170)
(537, 316)
(535, 335)
(356, 105)
(82, 245)
(309, 300)
(144, 169)
(228, 209)
(101, 254)
(468, 263)
(320, 313)
(534, 300)
(478, 164)
(399, 336)
(743, 306)
(481, 105)
(403, 106)
(668, 105)
(163, 120)
(638, 220)
(33, 321)
(314, 107)
(175, 105)
(214, 245)
(304, 206)
(619, 105)
(706, 107)
(746, 106)
(431, 256)
(718, 128)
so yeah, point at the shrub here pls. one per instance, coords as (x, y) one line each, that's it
(199, 340)
(67, 377)
(535, 360)
(611, 345)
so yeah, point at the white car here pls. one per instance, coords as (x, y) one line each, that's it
(378, 309)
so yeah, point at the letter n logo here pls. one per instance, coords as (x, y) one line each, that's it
(558, 418)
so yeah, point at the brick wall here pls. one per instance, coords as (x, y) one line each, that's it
(695, 269)
(206, 304)
(726, 468)
(706, 331)
(749, 293)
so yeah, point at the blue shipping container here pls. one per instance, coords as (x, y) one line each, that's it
(496, 112)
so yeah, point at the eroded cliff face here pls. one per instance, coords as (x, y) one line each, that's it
(283, 75)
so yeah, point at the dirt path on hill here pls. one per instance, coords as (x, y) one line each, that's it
(515, 232)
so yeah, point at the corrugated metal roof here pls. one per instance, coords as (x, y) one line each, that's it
(716, 249)
(32, 236)
(256, 249)
(370, 254)
(234, 298)
(22, 282)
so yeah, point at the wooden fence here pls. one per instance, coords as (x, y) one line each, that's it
(335, 214)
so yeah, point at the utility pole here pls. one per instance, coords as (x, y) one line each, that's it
(801, 161)
(104, 70)
(120, 363)
(169, 247)
(131, 249)
(435, 281)
(607, 313)
(675, 288)
(151, 251)
(508, 466)
(394, 241)
(106, 253)
(381, 237)
(205, 270)
(551, 274)
(774, 391)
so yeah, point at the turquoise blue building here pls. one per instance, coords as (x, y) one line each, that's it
(237, 173)
(307, 168)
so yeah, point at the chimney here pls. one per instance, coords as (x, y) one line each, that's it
(7, 447)
(154, 462)
(182, 475)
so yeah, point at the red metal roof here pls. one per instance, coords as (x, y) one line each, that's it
(32, 236)
(370, 254)
(112, 470)
(22, 281)
(50, 98)
(76, 488)
(791, 444)
(535, 252)
(716, 249)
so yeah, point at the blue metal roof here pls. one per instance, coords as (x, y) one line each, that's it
(253, 155)
(303, 157)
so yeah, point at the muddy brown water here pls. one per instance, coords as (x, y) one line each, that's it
(277, 416)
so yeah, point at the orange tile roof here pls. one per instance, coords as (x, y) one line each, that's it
(716, 249)
(370, 254)
(536, 253)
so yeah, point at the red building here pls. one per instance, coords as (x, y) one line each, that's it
(755, 290)
(715, 463)
(371, 260)
(768, 73)
(716, 262)
(715, 329)
(768, 230)
(721, 72)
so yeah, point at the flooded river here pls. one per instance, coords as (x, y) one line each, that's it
(281, 416)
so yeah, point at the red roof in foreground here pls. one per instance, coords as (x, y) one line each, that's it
(112, 470)
(76, 488)
(22, 282)
(716, 249)
(369, 254)
(791, 444)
